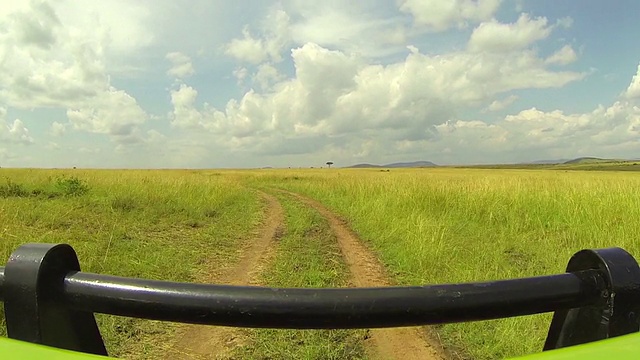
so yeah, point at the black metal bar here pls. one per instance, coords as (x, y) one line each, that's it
(618, 311)
(32, 287)
(328, 308)
(49, 301)
(1, 283)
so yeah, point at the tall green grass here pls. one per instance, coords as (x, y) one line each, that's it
(147, 224)
(447, 226)
(426, 225)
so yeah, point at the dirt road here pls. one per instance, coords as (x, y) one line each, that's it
(397, 343)
(216, 342)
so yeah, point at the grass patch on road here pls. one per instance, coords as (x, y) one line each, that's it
(307, 256)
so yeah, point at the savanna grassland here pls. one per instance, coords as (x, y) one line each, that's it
(147, 224)
(426, 226)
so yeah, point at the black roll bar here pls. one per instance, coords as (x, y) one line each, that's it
(49, 301)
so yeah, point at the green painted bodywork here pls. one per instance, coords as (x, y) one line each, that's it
(14, 349)
(619, 348)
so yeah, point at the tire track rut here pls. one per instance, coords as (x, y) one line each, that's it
(366, 271)
(217, 342)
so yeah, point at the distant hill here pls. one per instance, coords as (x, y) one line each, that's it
(363, 166)
(413, 164)
(546, 162)
(587, 160)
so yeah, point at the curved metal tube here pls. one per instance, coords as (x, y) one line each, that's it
(329, 308)
(298, 308)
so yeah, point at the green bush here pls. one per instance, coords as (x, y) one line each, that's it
(71, 186)
(11, 189)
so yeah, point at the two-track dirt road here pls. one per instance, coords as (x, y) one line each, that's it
(215, 342)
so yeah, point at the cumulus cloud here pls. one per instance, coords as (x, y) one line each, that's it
(181, 65)
(316, 81)
(498, 105)
(347, 27)
(15, 132)
(124, 28)
(49, 63)
(37, 27)
(274, 36)
(603, 127)
(440, 15)
(241, 74)
(610, 130)
(267, 75)
(113, 113)
(494, 36)
(564, 56)
(247, 49)
(335, 96)
(633, 91)
(57, 129)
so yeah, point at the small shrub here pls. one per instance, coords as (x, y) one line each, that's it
(194, 224)
(123, 203)
(71, 186)
(11, 189)
(211, 213)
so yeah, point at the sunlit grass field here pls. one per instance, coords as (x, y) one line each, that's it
(147, 224)
(460, 225)
(426, 225)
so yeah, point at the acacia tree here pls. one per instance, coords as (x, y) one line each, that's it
(329, 163)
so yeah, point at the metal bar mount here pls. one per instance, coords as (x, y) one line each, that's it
(49, 301)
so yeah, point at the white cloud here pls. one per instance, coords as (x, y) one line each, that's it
(185, 114)
(14, 132)
(602, 127)
(348, 28)
(267, 75)
(57, 129)
(240, 74)
(440, 15)
(113, 113)
(533, 134)
(494, 36)
(247, 49)
(154, 136)
(181, 65)
(336, 99)
(50, 69)
(50, 62)
(564, 56)
(498, 105)
(124, 28)
(317, 82)
(633, 91)
(605, 131)
(275, 35)
(565, 22)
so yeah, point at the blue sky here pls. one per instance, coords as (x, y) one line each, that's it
(200, 84)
